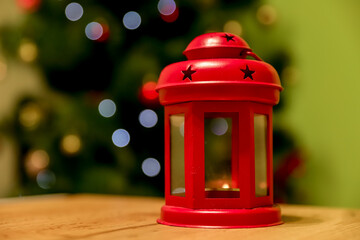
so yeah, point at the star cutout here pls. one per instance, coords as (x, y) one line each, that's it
(187, 73)
(228, 37)
(248, 72)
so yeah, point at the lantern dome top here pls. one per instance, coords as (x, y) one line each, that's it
(216, 45)
(217, 70)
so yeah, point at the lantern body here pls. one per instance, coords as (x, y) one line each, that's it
(218, 136)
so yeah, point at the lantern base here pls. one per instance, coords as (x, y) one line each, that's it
(220, 218)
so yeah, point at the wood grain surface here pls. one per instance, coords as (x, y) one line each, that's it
(116, 217)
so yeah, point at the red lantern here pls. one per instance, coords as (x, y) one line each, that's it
(218, 136)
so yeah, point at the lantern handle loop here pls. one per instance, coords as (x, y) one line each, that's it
(252, 54)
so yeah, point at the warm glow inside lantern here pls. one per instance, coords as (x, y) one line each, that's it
(218, 136)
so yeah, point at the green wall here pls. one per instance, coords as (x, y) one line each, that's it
(323, 106)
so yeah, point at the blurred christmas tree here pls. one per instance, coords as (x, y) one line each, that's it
(99, 128)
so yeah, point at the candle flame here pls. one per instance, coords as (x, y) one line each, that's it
(225, 185)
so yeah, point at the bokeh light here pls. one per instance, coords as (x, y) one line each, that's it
(121, 138)
(266, 14)
(93, 30)
(233, 27)
(166, 7)
(219, 126)
(148, 118)
(35, 161)
(263, 185)
(70, 144)
(46, 179)
(151, 167)
(28, 51)
(107, 108)
(30, 115)
(132, 20)
(74, 11)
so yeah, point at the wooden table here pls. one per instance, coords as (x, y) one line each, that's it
(115, 217)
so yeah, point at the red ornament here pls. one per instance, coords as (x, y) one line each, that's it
(172, 17)
(106, 33)
(148, 94)
(29, 5)
(218, 136)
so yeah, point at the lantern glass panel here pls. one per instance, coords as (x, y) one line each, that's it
(260, 143)
(219, 157)
(177, 151)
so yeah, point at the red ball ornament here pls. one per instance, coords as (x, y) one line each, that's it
(172, 17)
(29, 5)
(106, 33)
(148, 94)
